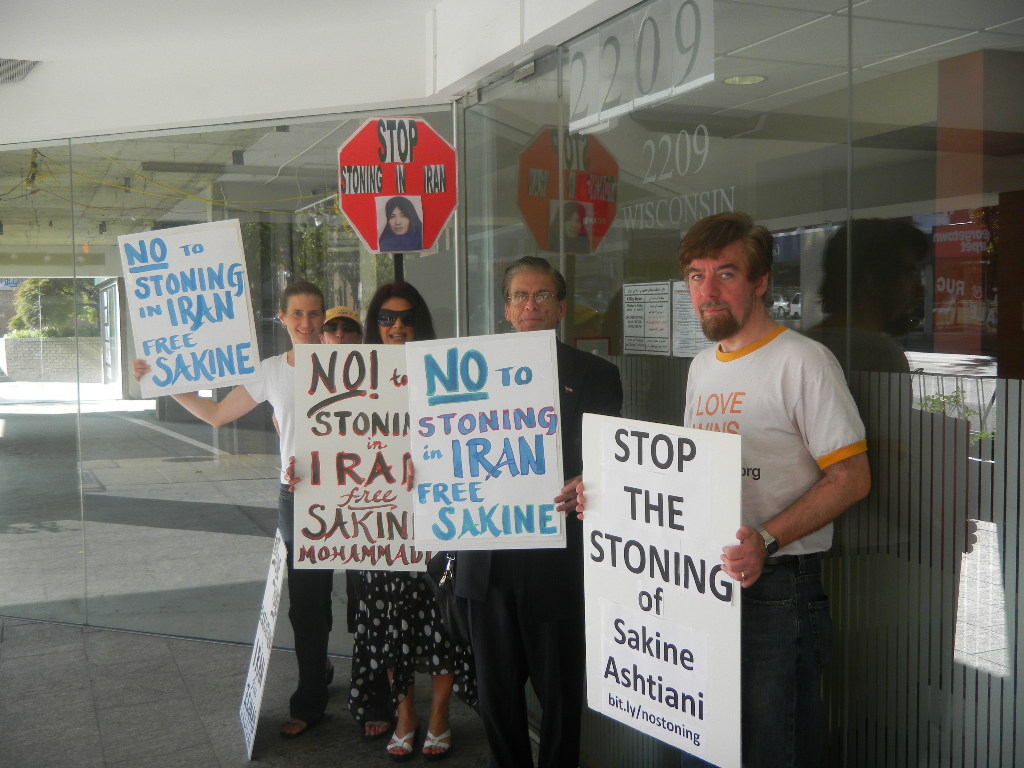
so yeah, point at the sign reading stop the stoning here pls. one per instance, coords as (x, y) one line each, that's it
(397, 183)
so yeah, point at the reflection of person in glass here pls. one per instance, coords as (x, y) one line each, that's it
(885, 293)
(573, 228)
(403, 230)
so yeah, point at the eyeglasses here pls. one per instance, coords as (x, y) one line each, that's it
(388, 317)
(330, 328)
(521, 297)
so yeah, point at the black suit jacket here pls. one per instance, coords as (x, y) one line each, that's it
(553, 578)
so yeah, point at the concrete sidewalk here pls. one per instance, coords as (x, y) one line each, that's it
(79, 697)
(162, 528)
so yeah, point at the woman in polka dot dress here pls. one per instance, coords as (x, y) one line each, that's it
(399, 630)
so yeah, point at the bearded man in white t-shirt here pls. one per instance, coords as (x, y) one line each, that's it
(804, 463)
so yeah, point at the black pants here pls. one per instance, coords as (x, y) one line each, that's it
(509, 649)
(309, 597)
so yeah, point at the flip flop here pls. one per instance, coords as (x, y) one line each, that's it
(438, 742)
(303, 727)
(400, 748)
(385, 726)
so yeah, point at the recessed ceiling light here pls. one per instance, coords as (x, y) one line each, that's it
(744, 80)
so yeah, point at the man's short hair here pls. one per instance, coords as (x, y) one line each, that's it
(533, 264)
(712, 233)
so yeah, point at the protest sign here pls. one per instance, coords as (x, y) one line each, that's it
(190, 307)
(397, 183)
(662, 616)
(353, 508)
(485, 441)
(252, 695)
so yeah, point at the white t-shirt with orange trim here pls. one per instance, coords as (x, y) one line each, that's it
(787, 398)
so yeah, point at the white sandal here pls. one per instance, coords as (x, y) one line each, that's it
(400, 747)
(438, 743)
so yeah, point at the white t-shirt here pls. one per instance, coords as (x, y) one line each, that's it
(278, 388)
(787, 398)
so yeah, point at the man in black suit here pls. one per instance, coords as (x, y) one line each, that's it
(526, 606)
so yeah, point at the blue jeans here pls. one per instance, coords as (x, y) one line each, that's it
(787, 641)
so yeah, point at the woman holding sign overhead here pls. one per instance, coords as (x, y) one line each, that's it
(399, 630)
(309, 591)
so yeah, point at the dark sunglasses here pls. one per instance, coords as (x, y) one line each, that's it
(388, 317)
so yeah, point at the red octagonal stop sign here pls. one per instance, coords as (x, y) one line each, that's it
(581, 217)
(397, 183)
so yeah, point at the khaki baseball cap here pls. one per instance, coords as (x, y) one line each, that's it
(335, 312)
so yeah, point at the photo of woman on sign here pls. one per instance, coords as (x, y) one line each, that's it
(402, 229)
(572, 225)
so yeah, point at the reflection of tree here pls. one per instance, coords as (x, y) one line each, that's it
(56, 307)
(310, 259)
(954, 404)
(329, 255)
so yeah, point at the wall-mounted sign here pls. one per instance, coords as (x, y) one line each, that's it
(961, 252)
(397, 184)
(636, 60)
(576, 216)
(190, 307)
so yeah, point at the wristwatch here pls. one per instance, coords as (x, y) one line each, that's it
(771, 544)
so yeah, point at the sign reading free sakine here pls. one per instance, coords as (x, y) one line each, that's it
(486, 442)
(354, 506)
(190, 307)
(397, 183)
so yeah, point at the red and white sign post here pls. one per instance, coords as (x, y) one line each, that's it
(397, 183)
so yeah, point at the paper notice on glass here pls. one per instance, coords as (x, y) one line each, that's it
(647, 318)
(687, 336)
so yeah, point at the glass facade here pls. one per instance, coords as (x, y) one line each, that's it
(129, 513)
(879, 141)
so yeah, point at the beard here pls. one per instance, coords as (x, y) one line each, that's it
(723, 325)
(718, 327)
